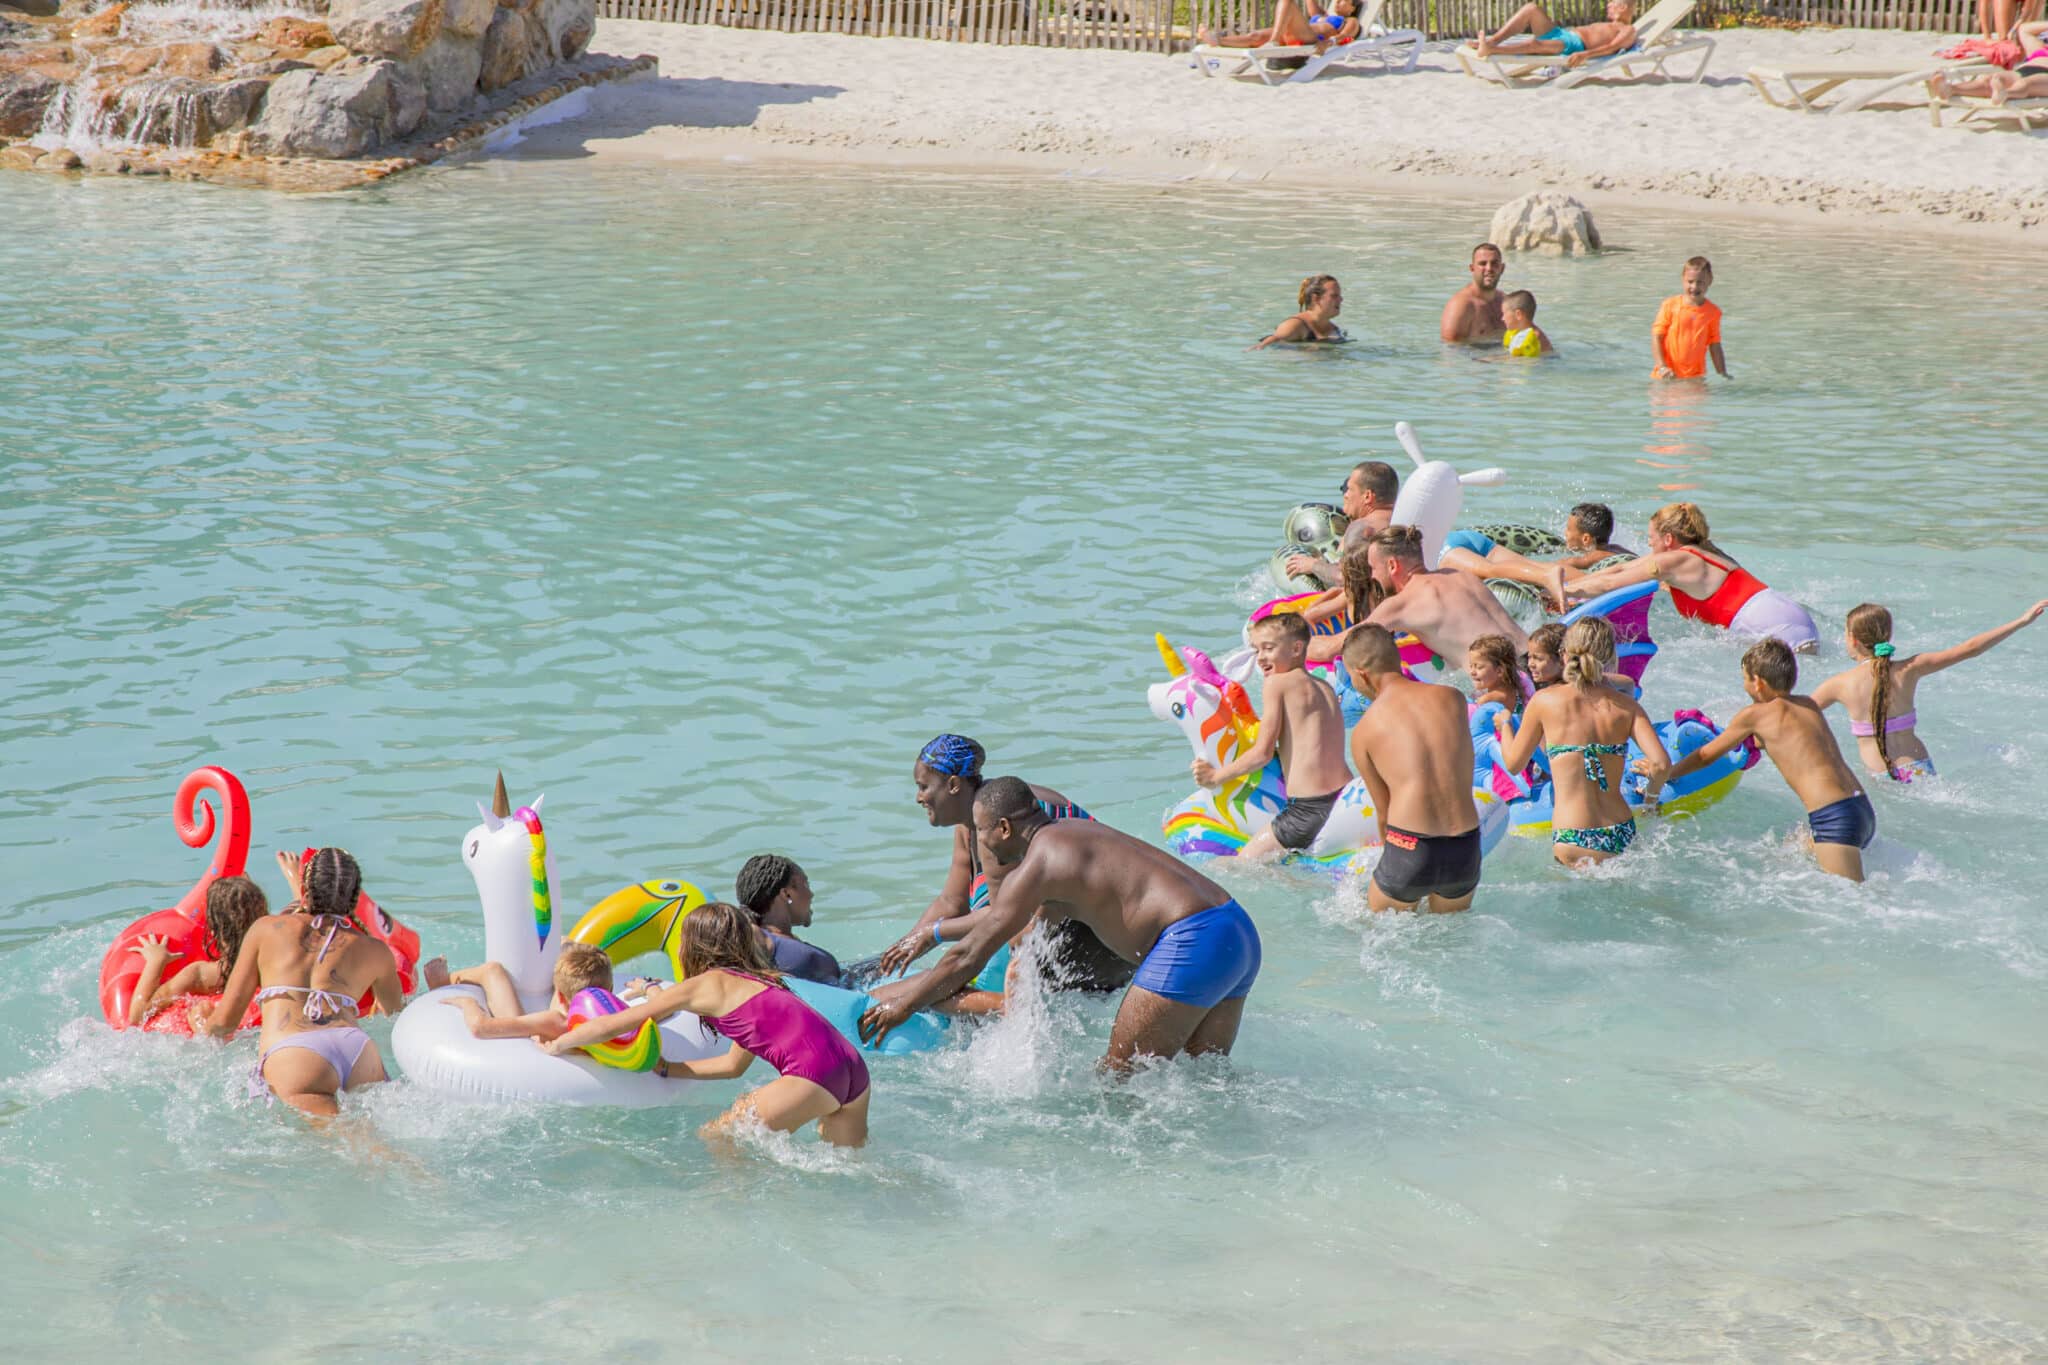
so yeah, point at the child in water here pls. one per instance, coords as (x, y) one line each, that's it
(1688, 328)
(729, 983)
(1795, 735)
(580, 966)
(232, 905)
(1522, 336)
(1878, 691)
(1490, 661)
(1546, 655)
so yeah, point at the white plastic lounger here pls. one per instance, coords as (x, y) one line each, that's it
(1656, 44)
(1806, 84)
(2023, 113)
(1392, 49)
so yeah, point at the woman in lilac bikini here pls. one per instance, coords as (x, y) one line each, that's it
(307, 968)
(729, 983)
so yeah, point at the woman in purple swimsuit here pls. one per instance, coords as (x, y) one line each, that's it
(307, 967)
(729, 983)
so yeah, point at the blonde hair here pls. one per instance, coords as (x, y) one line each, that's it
(1682, 521)
(1312, 289)
(581, 966)
(1870, 626)
(1588, 652)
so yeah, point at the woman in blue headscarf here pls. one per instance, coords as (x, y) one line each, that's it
(947, 774)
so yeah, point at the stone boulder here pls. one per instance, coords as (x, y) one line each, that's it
(171, 59)
(467, 18)
(343, 111)
(183, 112)
(385, 28)
(295, 35)
(104, 24)
(448, 70)
(504, 50)
(561, 29)
(25, 96)
(1545, 221)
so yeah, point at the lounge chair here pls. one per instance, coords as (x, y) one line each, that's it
(2024, 112)
(1392, 49)
(1806, 84)
(1657, 42)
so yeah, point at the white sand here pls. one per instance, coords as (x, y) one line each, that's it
(727, 93)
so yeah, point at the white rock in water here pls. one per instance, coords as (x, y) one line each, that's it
(1545, 221)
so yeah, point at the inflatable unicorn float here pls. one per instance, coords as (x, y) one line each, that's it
(513, 864)
(183, 926)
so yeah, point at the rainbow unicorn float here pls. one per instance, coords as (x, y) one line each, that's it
(1217, 717)
(513, 865)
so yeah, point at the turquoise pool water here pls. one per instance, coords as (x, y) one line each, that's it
(700, 498)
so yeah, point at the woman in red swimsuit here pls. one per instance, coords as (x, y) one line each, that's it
(1706, 583)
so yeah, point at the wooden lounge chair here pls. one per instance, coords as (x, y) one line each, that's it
(2025, 113)
(1392, 49)
(1805, 85)
(1657, 42)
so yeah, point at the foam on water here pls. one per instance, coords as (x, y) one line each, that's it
(700, 500)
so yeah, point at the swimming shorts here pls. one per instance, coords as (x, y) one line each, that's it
(1302, 819)
(1598, 838)
(1573, 43)
(1906, 769)
(1412, 866)
(1469, 540)
(1204, 958)
(1848, 821)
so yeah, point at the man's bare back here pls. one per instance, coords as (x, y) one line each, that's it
(1447, 609)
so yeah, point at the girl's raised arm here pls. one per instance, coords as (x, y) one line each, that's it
(1920, 665)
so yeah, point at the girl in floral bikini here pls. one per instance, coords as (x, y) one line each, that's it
(1878, 691)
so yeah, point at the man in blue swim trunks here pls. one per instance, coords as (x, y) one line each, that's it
(1196, 949)
(1531, 32)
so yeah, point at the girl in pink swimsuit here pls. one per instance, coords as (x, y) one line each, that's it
(729, 983)
(1878, 691)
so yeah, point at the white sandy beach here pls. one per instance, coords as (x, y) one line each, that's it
(726, 93)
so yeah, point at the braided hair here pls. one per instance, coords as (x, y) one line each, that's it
(955, 756)
(330, 885)
(1871, 627)
(761, 880)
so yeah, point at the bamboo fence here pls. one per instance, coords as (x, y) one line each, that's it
(1167, 25)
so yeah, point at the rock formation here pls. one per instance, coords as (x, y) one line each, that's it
(1545, 221)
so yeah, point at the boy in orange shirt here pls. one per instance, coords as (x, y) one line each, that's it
(1688, 329)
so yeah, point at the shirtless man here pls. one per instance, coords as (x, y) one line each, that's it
(1414, 750)
(1446, 609)
(1196, 949)
(1531, 32)
(1473, 315)
(1305, 723)
(1369, 493)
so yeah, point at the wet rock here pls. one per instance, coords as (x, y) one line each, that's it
(24, 98)
(504, 50)
(385, 28)
(62, 159)
(1545, 221)
(295, 35)
(448, 70)
(273, 66)
(58, 61)
(171, 59)
(105, 24)
(340, 112)
(467, 18)
(320, 58)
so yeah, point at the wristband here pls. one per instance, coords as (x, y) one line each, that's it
(936, 940)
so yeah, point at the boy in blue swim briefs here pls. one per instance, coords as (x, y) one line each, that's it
(1196, 949)
(1531, 32)
(1795, 734)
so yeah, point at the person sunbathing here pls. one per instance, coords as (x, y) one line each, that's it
(1296, 23)
(2028, 80)
(1531, 32)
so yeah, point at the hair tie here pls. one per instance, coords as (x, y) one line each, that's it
(1883, 651)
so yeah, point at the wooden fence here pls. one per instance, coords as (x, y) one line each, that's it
(1167, 25)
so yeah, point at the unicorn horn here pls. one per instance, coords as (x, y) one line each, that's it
(1175, 666)
(501, 805)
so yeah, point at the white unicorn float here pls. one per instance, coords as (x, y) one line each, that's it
(509, 857)
(1217, 717)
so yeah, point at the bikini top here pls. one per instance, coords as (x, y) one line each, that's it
(1589, 754)
(320, 1005)
(1326, 23)
(1863, 729)
(1336, 333)
(1732, 596)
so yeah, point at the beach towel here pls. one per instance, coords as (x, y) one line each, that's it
(2000, 53)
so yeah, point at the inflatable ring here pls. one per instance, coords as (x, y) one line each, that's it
(639, 1050)
(1529, 805)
